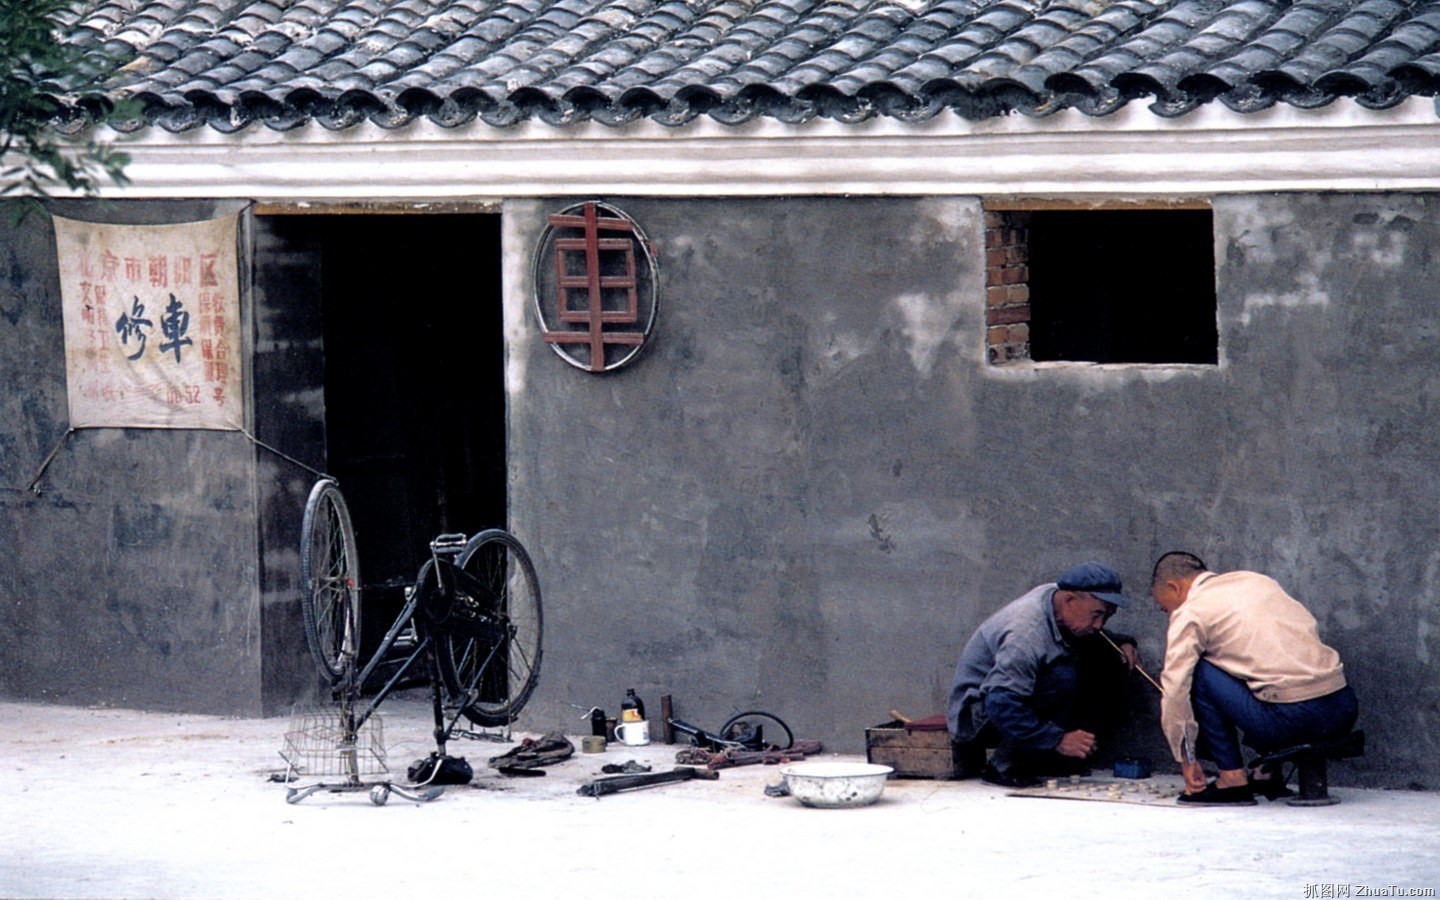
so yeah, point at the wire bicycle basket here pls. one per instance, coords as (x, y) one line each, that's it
(319, 742)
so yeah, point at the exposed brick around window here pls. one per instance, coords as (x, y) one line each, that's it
(1008, 315)
(997, 354)
(1007, 290)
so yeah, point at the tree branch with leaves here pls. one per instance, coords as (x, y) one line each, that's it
(40, 73)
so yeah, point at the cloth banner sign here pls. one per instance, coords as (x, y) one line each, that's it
(152, 324)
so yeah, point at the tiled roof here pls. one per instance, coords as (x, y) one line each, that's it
(230, 63)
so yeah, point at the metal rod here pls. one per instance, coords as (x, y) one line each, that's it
(1139, 668)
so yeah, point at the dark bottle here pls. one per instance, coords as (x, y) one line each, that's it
(632, 708)
(597, 722)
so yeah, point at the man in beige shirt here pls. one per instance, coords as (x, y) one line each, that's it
(1241, 655)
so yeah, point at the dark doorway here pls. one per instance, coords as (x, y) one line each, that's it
(414, 387)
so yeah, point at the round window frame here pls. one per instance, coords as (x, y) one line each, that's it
(544, 253)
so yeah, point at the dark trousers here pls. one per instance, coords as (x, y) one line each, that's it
(1224, 707)
(1078, 692)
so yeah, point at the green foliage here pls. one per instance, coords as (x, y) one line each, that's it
(37, 69)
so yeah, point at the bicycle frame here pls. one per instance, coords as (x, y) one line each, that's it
(448, 579)
(472, 619)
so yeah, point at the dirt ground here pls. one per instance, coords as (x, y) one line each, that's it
(112, 803)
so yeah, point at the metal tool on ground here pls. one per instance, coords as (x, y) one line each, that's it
(616, 784)
(752, 730)
(726, 759)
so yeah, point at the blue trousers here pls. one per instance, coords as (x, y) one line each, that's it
(1224, 706)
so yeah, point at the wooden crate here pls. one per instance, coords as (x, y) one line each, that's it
(911, 753)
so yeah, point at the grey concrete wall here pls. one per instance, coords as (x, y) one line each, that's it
(812, 487)
(809, 490)
(288, 369)
(134, 577)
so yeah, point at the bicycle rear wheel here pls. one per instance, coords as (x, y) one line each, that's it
(330, 573)
(490, 677)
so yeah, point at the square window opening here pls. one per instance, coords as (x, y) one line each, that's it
(1101, 286)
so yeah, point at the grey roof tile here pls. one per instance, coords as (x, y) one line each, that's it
(233, 63)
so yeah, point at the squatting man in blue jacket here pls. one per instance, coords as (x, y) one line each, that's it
(1026, 683)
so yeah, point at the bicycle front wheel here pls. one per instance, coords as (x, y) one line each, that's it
(330, 573)
(493, 676)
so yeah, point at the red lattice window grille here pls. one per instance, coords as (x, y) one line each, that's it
(601, 284)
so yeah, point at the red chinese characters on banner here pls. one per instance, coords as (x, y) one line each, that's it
(151, 324)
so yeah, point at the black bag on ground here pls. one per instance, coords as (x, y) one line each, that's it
(452, 770)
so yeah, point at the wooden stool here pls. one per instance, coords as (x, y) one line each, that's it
(1310, 766)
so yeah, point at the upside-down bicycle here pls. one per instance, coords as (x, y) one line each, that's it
(471, 620)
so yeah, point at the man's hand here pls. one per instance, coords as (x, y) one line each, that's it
(1132, 656)
(1078, 744)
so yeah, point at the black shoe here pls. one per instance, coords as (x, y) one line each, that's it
(967, 759)
(1010, 778)
(1218, 796)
